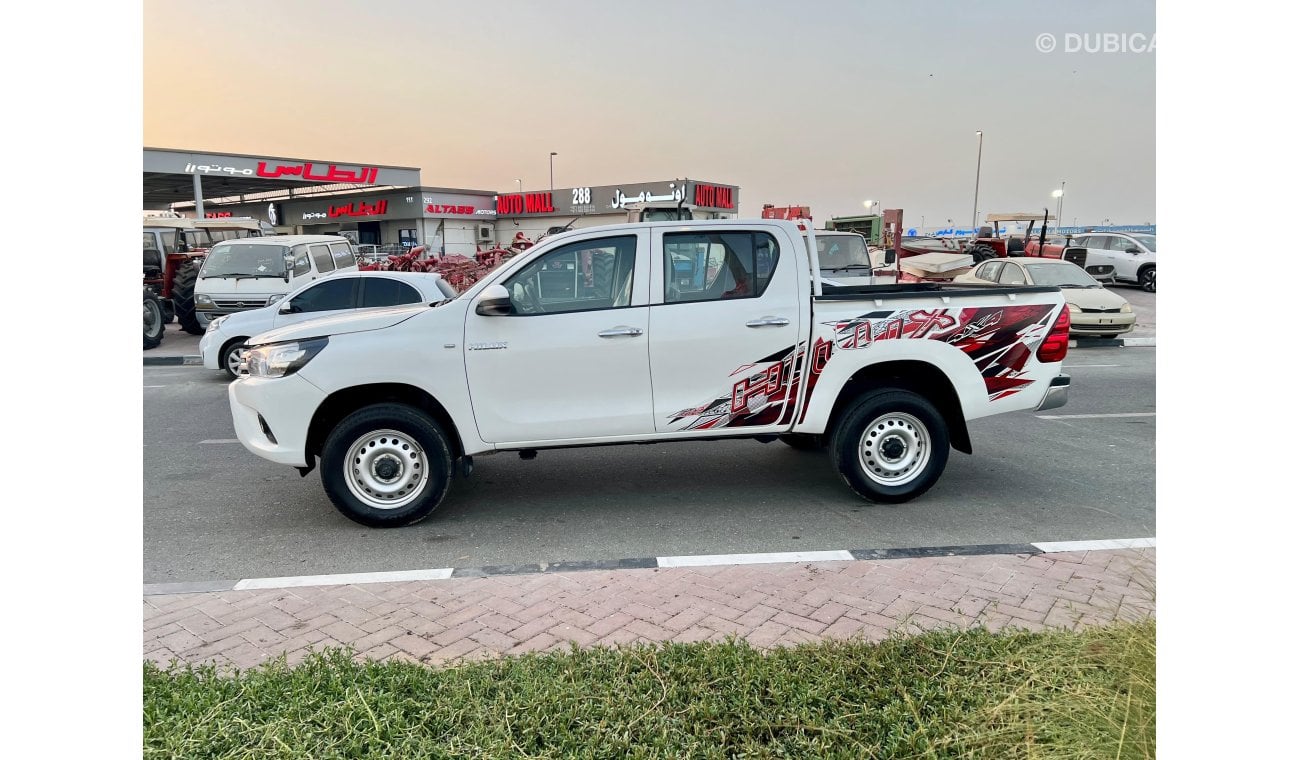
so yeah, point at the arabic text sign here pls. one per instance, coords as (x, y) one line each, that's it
(270, 168)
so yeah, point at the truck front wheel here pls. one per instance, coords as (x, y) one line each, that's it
(890, 446)
(386, 465)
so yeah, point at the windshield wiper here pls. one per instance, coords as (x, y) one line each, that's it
(1072, 285)
(848, 266)
(224, 274)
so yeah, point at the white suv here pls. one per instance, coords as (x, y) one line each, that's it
(1133, 254)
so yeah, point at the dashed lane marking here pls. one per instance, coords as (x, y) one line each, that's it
(1093, 416)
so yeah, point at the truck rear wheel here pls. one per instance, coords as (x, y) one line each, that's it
(890, 446)
(386, 466)
(183, 299)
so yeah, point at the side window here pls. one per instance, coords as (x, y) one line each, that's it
(1011, 275)
(581, 276)
(330, 295)
(382, 291)
(1098, 242)
(713, 266)
(343, 256)
(989, 271)
(301, 264)
(1121, 244)
(320, 253)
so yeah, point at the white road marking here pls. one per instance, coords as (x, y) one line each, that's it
(1072, 366)
(1092, 546)
(155, 386)
(1093, 416)
(343, 579)
(221, 440)
(701, 560)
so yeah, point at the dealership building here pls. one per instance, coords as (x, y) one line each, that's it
(389, 205)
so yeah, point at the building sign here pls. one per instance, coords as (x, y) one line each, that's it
(217, 215)
(525, 203)
(611, 199)
(290, 170)
(713, 196)
(359, 208)
(437, 204)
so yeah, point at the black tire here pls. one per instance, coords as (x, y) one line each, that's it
(183, 298)
(981, 252)
(369, 422)
(804, 441)
(896, 414)
(169, 312)
(223, 357)
(154, 326)
(1147, 279)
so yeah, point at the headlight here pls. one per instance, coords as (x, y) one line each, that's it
(280, 359)
(217, 321)
(1073, 309)
(202, 300)
(1126, 309)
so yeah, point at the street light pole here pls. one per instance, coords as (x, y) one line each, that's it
(521, 185)
(553, 155)
(1060, 203)
(979, 157)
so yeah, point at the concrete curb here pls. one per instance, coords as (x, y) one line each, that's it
(173, 361)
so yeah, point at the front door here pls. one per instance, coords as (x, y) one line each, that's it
(571, 362)
(725, 329)
(324, 299)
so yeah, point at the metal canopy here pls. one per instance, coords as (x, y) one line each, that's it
(169, 175)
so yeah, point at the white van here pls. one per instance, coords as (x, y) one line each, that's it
(239, 275)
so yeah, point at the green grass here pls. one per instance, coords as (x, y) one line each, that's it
(972, 694)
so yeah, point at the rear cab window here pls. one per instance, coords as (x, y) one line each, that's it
(343, 255)
(714, 266)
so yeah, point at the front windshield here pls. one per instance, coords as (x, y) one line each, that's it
(1061, 275)
(838, 251)
(1147, 240)
(246, 260)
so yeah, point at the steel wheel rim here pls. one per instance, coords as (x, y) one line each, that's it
(152, 317)
(386, 469)
(894, 449)
(233, 358)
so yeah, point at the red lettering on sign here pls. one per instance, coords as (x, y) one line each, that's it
(713, 196)
(435, 208)
(525, 203)
(216, 214)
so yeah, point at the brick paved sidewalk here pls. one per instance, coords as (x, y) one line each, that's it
(769, 605)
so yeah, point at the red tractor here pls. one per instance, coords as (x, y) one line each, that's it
(989, 243)
(174, 248)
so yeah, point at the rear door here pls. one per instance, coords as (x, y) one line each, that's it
(726, 327)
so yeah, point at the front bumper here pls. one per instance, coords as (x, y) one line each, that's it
(284, 406)
(1058, 391)
(209, 345)
(1104, 324)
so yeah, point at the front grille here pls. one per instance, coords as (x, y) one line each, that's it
(1100, 311)
(1075, 256)
(1075, 327)
(238, 304)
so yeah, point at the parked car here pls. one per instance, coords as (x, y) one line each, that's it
(1094, 311)
(1133, 254)
(222, 345)
(244, 274)
(538, 355)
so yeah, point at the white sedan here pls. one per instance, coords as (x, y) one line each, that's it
(222, 345)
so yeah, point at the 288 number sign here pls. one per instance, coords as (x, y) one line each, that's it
(581, 196)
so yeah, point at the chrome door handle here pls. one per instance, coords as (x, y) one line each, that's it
(617, 332)
(768, 322)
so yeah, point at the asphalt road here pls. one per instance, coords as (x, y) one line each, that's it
(214, 511)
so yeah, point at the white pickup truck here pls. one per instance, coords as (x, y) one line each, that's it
(641, 333)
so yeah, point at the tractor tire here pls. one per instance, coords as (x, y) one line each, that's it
(183, 298)
(980, 252)
(169, 311)
(602, 274)
(153, 320)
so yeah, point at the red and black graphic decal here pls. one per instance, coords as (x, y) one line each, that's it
(1000, 340)
(757, 395)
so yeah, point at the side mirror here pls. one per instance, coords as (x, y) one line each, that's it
(495, 302)
(286, 308)
(1132, 249)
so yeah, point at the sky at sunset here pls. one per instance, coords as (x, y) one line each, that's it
(817, 103)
